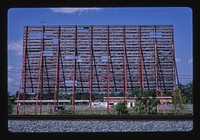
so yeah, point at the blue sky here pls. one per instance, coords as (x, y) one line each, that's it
(179, 17)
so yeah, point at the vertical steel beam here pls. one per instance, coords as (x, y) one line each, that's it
(141, 65)
(162, 101)
(108, 70)
(74, 73)
(158, 72)
(41, 85)
(156, 64)
(39, 90)
(56, 90)
(23, 72)
(91, 67)
(24, 68)
(124, 45)
(174, 60)
(156, 61)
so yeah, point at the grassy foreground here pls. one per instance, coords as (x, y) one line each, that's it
(98, 112)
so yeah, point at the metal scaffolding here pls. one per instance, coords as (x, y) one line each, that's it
(97, 59)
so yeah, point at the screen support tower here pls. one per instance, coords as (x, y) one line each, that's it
(96, 59)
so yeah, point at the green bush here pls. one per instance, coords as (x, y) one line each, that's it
(121, 108)
(10, 103)
(59, 112)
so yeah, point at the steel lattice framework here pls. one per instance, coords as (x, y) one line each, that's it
(97, 59)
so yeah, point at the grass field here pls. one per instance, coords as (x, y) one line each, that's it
(48, 111)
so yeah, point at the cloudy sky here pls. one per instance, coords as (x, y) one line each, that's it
(179, 17)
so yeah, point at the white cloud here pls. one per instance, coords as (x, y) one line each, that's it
(190, 61)
(73, 10)
(13, 68)
(16, 46)
(10, 80)
(10, 67)
(178, 60)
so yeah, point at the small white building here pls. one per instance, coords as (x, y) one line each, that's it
(111, 103)
(131, 100)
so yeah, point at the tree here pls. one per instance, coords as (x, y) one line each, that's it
(177, 101)
(136, 92)
(11, 100)
(146, 103)
(139, 107)
(121, 94)
(187, 92)
(121, 108)
(152, 105)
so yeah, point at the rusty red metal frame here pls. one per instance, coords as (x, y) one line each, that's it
(40, 75)
(156, 64)
(124, 33)
(23, 72)
(41, 85)
(24, 69)
(158, 72)
(57, 71)
(91, 68)
(174, 63)
(124, 45)
(108, 72)
(141, 64)
(161, 93)
(74, 73)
